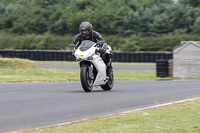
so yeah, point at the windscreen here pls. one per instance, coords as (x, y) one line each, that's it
(85, 45)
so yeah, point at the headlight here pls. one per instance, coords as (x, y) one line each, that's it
(81, 56)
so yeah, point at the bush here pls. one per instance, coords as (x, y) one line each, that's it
(165, 42)
(16, 63)
(33, 41)
(132, 43)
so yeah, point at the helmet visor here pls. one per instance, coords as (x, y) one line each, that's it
(84, 31)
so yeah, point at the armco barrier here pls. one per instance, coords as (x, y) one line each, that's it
(61, 55)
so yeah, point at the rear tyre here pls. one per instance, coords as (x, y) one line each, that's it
(109, 85)
(86, 82)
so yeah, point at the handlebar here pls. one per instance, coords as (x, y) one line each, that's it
(99, 42)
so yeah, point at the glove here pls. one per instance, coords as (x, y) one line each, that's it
(73, 51)
(101, 50)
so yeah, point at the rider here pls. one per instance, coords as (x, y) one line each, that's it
(86, 33)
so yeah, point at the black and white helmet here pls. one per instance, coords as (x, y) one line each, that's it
(85, 26)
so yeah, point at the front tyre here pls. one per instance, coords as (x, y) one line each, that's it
(86, 82)
(109, 85)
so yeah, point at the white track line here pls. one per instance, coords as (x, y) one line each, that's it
(155, 106)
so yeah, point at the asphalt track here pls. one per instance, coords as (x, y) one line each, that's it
(32, 105)
(116, 67)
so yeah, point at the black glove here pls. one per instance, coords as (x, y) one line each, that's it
(101, 50)
(75, 47)
(73, 51)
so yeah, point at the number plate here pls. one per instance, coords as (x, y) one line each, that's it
(81, 56)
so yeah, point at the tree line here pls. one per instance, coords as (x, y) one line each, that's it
(126, 24)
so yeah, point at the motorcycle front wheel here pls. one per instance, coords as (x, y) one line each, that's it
(86, 82)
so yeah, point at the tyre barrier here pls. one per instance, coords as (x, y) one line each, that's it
(162, 68)
(62, 55)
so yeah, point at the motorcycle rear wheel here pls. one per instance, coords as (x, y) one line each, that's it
(86, 82)
(109, 85)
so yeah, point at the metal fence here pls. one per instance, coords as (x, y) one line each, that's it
(61, 55)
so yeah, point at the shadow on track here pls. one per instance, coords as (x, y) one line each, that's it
(93, 91)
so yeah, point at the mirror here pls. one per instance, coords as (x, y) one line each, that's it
(71, 45)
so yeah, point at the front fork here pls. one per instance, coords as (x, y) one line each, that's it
(90, 68)
(90, 71)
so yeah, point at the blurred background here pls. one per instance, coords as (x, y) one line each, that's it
(126, 25)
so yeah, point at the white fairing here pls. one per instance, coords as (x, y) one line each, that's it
(96, 60)
(101, 68)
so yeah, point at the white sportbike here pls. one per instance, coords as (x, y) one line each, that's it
(92, 67)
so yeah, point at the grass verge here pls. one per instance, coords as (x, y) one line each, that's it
(75, 63)
(176, 118)
(40, 75)
(16, 63)
(54, 75)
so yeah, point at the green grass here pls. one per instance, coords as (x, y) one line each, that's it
(53, 75)
(177, 118)
(134, 75)
(41, 75)
(56, 63)
(75, 63)
(134, 64)
(16, 63)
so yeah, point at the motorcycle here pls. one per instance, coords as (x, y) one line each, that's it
(93, 70)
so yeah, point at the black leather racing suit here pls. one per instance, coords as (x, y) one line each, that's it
(95, 37)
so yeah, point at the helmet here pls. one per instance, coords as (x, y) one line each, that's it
(85, 26)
